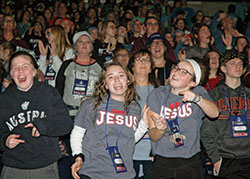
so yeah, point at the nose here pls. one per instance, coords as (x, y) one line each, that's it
(117, 78)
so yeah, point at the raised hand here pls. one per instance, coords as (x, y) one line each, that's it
(43, 50)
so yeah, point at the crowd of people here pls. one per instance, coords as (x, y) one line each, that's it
(135, 89)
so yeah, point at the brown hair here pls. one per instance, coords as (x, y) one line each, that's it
(100, 91)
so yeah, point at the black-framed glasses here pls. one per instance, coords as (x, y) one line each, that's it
(183, 71)
(139, 59)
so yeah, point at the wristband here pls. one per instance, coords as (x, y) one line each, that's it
(79, 155)
(229, 48)
(194, 98)
(199, 102)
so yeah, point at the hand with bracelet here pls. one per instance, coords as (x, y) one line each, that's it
(189, 96)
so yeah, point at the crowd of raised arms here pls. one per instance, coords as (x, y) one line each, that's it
(135, 89)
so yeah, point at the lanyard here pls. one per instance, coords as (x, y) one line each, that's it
(106, 126)
(164, 73)
(165, 103)
(227, 101)
(88, 68)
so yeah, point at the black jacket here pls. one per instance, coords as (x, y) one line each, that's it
(41, 105)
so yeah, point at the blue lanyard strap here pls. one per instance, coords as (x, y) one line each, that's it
(106, 126)
(165, 103)
(88, 68)
(227, 101)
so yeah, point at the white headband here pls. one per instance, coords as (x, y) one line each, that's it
(197, 70)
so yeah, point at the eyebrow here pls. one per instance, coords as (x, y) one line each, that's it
(113, 73)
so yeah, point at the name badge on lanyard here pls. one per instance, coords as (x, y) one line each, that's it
(81, 86)
(239, 123)
(114, 153)
(175, 136)
(50, 73)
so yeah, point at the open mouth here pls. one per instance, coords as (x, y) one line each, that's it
(118, 87)
(22, 79)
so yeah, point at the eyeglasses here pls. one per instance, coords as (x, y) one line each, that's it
(145, 60)
(9, 21)
(152, 24)
(159, 43)
(122, 55)
(137, 24)
(183, 71)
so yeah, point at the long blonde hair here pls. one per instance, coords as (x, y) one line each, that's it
(60, 39)
(100, 91)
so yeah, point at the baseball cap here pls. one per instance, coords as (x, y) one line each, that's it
(156, 36)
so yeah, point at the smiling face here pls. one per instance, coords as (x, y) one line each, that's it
(181, 76)
(49, 36)
(116, 82)
(111, 29)
(157, 48)
(23, 72)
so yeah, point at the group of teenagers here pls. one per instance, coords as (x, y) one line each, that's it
(107, 114)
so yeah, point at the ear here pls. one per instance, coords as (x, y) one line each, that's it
(223, 68)
(34, 72)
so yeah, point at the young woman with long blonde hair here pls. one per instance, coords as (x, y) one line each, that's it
(54, 53)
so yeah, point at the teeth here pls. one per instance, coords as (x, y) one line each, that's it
(22, 78)
(117, 86)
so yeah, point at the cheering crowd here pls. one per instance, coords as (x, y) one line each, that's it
(136, 89)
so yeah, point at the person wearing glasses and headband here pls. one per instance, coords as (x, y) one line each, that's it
(175, 119)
